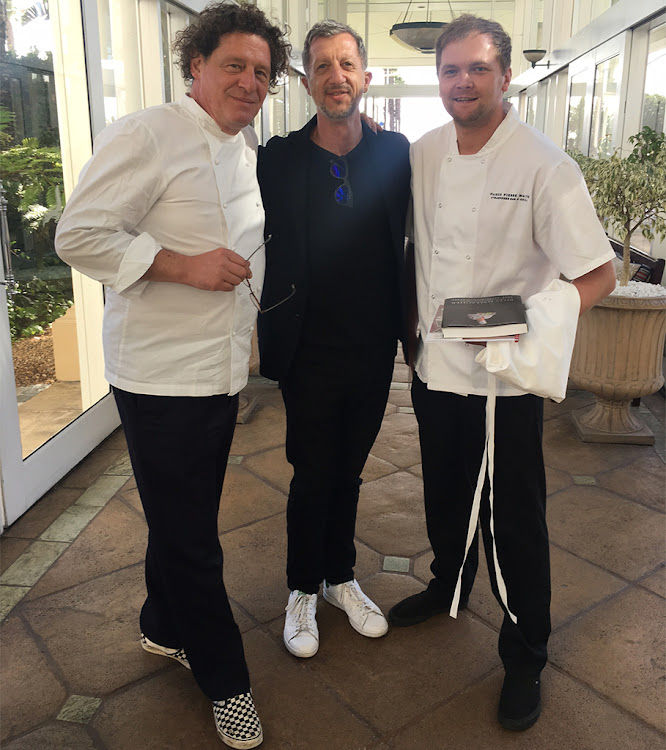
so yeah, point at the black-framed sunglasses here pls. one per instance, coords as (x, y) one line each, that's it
(343, 193)
(253, 296)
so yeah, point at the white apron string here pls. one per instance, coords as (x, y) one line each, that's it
(487, 462)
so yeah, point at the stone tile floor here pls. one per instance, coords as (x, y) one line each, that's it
(74, 676)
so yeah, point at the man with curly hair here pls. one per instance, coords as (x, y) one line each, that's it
(167, 214)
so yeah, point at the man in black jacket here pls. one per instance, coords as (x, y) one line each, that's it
(335, 196)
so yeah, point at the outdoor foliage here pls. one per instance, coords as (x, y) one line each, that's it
(32, 177)
(629, 193)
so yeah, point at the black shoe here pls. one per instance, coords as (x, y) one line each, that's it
(419, 608)
(520, 702)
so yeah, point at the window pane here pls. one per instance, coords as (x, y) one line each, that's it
(576, 111)
(654, 99)
(604, 108)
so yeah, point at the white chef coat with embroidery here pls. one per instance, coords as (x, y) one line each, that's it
(506, 220)
(168, 177)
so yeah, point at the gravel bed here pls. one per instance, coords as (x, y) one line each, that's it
(33, 360)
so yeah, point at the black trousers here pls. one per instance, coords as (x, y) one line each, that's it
(452, 435)
(334, 411)
(179, 447)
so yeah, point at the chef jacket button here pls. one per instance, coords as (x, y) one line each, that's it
(224, 205)
(439, 205)
(483, 161)
(217, 161)
(473, 210)
(258, 204)
(436, 252)
(469, 257)
(449, 159)
(432, 296)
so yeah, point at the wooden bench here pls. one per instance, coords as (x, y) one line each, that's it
(656, 265)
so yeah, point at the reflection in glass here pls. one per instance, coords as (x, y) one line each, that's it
(172, 20)
(575, 122)
(654, 97)
(42, 320)
(604, 107)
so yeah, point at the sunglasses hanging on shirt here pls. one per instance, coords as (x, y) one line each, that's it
(343, 193)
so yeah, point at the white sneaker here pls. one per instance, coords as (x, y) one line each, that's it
(173, 653)
(301, 634)
(364, 615)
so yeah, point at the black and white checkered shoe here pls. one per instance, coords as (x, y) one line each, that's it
(173, 653)
(237, 722)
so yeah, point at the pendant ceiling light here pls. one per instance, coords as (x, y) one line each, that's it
(418, 35)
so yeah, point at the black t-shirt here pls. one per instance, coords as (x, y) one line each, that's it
(352, 300)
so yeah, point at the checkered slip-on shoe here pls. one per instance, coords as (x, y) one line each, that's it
(173, 653)
(237, 722)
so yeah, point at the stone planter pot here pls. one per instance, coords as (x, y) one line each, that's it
(618, 357)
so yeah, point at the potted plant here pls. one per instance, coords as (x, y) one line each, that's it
(620, 342)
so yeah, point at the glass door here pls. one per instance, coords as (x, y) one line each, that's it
(54, 403)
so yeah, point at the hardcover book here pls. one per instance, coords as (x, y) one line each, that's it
(479, 318)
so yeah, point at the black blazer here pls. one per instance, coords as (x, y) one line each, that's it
(283, 177)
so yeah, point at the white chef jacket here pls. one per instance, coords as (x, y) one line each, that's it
(168, 177)
(506, 220)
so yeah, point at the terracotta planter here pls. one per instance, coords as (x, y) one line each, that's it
(618, 357)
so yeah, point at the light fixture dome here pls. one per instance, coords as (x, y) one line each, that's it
(534, 56)
(419, 35)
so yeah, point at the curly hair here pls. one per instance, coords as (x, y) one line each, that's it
(202, 36)
(466, 25)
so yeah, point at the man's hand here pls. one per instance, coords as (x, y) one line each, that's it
(219, 270)
(374, 126)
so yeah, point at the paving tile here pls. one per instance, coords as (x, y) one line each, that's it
(574, 400)
(618, 649)
(400, 398)
(33, 563)
(115, 441)
(375, 468)
(390, 409)
(599, 526)
(390, 515)
(573, 718)
(31, 692)
(10, 549)
(368, 562)
(43, 513)
(302, 714)
(390, 680)
(70, 523)
(115, 539)
(166, 712)
(102, 490)
(556, 480)
(396, 564)
(121, 467)
(10, 596)
(585, 481)
(656, 582)
(643, 480)
(398, 441)
(402, 374)
(416, 470)
(422, 566)
(130, 495)
(266, 429)
(55, 736)
(79, 708)
(92, 632)
(246, 499)
(91, 467)
(565, 451)
(254, 567)
(272, 466)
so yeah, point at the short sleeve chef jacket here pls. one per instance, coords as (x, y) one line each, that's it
(506, 220)
(168, 177)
